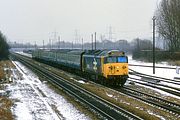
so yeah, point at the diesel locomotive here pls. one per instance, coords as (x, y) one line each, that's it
(105, 66)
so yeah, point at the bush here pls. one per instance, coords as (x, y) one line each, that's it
(4, 47)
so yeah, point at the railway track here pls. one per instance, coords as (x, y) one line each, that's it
(152, 66)
(133, 72)
(150, 99)
(154, 82)
(106, 109)
(171, 91)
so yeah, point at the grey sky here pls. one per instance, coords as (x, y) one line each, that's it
(35, 20)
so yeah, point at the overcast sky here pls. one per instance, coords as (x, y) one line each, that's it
(36, 20)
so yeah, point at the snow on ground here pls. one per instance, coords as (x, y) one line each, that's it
(35, 101)
(152, 113)
(166, 73)
(160, 72)
(25, 54)
(80, 81)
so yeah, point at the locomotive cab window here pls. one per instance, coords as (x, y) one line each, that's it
(122, 59)
(119, 59)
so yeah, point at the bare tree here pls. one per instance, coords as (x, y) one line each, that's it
(168, 23)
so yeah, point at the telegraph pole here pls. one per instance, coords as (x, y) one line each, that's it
(76, 37)
(82, 44)
(55, 38)
(35, 45)
(49, 43)
(92, 40)
(59, 42)
(110, 33)
(95, 40)
(72, 45)
(43, 44)
(154, 23)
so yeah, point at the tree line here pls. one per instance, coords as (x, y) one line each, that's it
(4, 47)
(168, 23)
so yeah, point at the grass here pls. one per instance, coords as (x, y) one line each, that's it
(5, 64)
(1, 73)
(5, 109)
(5, 102)
(177, 63)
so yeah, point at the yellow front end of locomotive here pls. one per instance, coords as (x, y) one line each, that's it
(115, 69)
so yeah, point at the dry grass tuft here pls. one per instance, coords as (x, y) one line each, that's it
(176, 63)
(5, 103)
(5, 73)
(5, 109)
(1, 73)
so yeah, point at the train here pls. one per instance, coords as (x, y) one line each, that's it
(108, 67)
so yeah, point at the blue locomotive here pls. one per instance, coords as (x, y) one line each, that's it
(105, 66)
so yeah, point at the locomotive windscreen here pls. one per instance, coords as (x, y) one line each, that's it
(120, 59)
